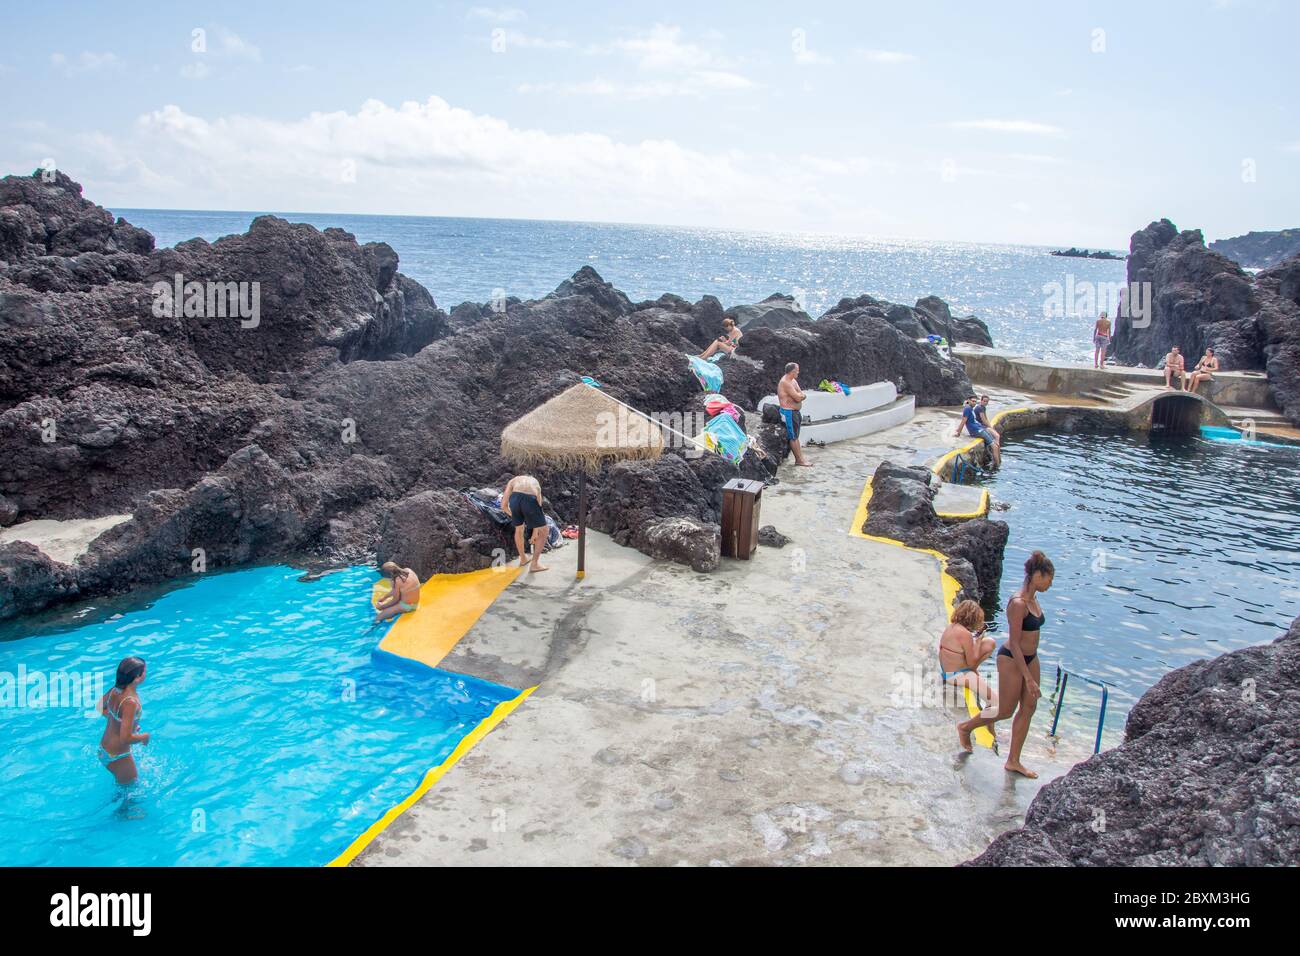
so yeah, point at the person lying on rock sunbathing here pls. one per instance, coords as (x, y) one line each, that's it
(962, 649)
(522, 501)
(728, 341)
(404, 596)
(1018, 664)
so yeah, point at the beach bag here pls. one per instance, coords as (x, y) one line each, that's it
(716, 404)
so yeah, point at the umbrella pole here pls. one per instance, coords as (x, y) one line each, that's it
(582, 524)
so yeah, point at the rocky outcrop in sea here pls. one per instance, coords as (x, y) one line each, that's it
(1259, 250)
(1208, 775)
(333, 412)
(1200, 298)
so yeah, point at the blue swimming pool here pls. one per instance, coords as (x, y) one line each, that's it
(275, 737)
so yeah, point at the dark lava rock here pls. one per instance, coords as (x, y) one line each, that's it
(1201, 298)
(339, 426)
(1198, 298)
(1208, 775)
(777, 311)
(902, 508)
(770, 537)
(1259, 250)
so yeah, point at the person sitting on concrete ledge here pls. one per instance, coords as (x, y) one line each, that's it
(962, 649)
(982, 413)
(522, 501)
(1174, 366)
(1204, 371)
(405, 593)
(970, 419)
(727, 342)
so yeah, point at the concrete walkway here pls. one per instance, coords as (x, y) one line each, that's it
(779, 711)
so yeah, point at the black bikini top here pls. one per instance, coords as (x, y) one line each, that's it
(1033, 622)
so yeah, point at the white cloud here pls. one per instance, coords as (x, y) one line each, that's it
(496, 14)
(885, 56)
(1038, 158)
(85, 62)
(525, 41)
(701, 83)
(807, 57)
(435, 159)
(1007, 126)
(668, 65)
(232, 44)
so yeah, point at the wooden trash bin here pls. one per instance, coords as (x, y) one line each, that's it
(740, 501)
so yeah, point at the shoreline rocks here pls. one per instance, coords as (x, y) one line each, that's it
(902, 508)
(1200, 298)
(353, 407)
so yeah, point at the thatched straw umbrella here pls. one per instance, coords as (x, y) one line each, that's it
(582, 428)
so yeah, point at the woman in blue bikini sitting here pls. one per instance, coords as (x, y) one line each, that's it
(122, 707)
(962, 650)
(1018, 664)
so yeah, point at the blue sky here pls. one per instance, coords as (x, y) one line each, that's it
(1052, 123)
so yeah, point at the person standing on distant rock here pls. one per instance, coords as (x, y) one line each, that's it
(791, 398)
(1174, 366)
(522, 501)
(728, 341)
(1018, 664)
(404, 595)
(1100, 341)
(1204, 371)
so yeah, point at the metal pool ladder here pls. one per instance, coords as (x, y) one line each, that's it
(1063, 676)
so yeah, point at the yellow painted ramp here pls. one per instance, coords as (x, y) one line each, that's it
(449, 606)
(951, 586)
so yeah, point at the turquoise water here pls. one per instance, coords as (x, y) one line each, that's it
(275, 738)
(1167, 550)
(460, 260)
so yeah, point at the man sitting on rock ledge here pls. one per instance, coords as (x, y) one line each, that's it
(1174, 366)
(974, 419)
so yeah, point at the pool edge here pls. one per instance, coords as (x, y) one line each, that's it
(431, 777)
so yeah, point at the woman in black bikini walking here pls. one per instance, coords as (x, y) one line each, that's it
(1018, 665)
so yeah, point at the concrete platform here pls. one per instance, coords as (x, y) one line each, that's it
(995, 367)
(783, 710)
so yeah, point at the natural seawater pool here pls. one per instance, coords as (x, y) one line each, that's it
(275, 737)
(1167, 549)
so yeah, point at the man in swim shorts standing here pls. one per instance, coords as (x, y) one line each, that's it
(791, 398)
(522, 501)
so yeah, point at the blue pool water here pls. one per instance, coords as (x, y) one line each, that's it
(275, 739)
(1167, 549)
(460, 260)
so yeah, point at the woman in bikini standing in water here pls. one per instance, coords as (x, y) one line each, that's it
(122, 707)
(1018, 664)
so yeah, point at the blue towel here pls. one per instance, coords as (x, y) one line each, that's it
(708, 374)
(724, 437)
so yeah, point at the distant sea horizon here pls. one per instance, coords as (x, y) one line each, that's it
(462, 259)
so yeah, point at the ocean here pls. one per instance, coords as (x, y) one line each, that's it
(1010, 287)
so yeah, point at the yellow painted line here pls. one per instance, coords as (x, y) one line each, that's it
(449, 606)
(485, 726)
(951, 586)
